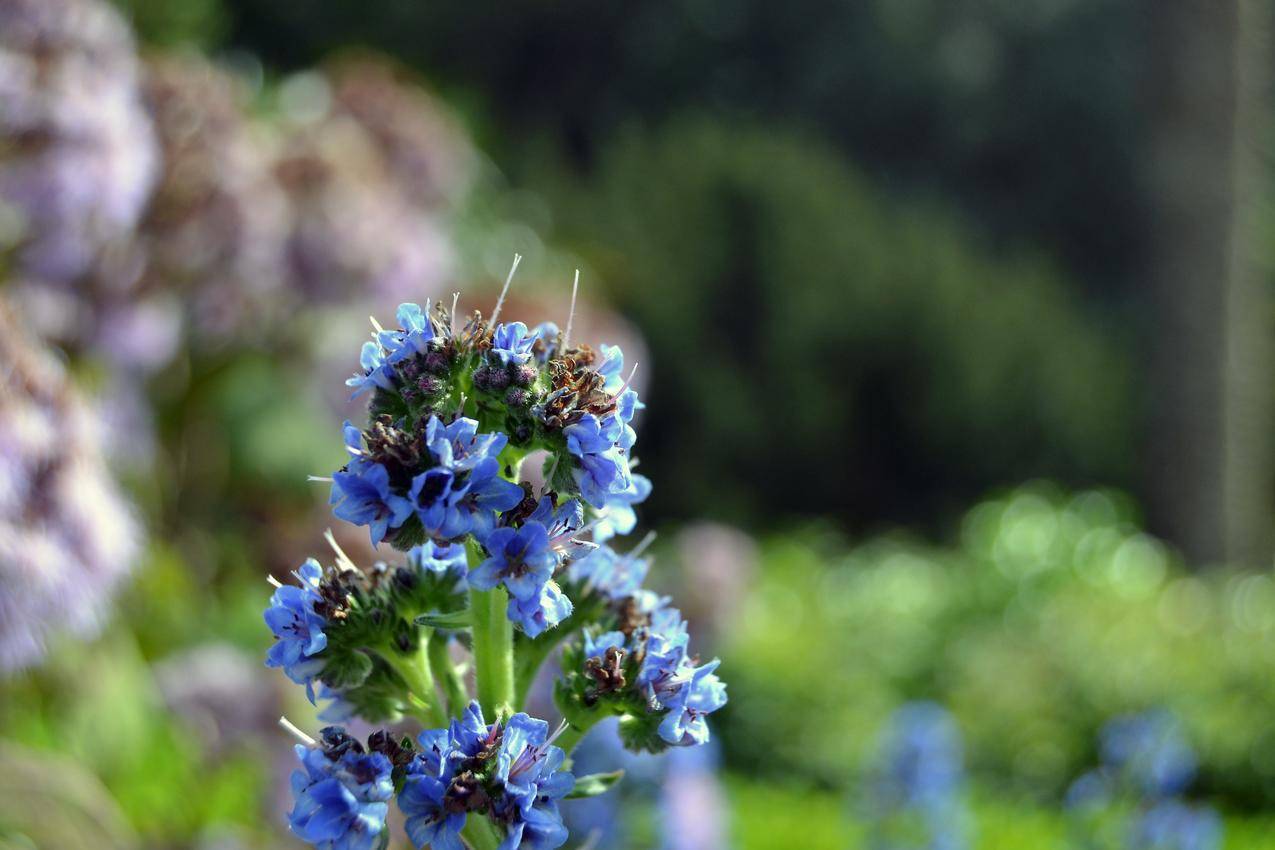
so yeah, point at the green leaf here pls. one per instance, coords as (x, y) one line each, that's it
(451, 621)
(594, 784)
(347, 670)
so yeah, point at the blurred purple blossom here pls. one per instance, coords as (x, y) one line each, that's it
(67, 536)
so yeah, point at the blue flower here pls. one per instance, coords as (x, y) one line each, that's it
(528, 768)
(521, 558)
(439, 502)
(609, 573)
(920, 762)
(377, 372)
(546, 332)
(598, 446)
(1173, 825)
(416, 332)
(438, 558)
(617, 517)
(511, 343)
(423, 801)
(546, 609)
(459, 446)
(612, 367)
(1150, 752)
(700, 694)
(340, 800)
(362, 496)
(298, 628)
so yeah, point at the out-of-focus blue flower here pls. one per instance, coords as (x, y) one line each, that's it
(546, 609)
(701, 693)
(362, 496)
(1174, 825)
(609, 573)
(1149, 751)
(298, 628)
(520, 558)
(341, 796)
(438, 558)
(511, 343)
(459, 446)
(616, 515)
(917, 782)
(376, 373)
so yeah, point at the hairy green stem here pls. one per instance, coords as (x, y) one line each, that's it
(480, 833)
(420, 681)
(493, 644)
(447, 676)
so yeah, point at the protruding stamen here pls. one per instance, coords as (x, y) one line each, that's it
(297, 733)
(557, 733)
(500, 302)
(376, 325)
(627, 381)
(566, 335)
(325, 478)
(274, 582)
(642, 546)
(455, 301)
(342, 559)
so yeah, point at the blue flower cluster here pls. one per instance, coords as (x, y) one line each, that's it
(915, 790)
(341, 794)
(525, 559)
(649, 658)
(509, 565)
(510, 771)
(298, 627)
(457, 493)
(1147, 765)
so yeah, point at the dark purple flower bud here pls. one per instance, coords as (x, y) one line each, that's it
(517, 397)
(524, 376)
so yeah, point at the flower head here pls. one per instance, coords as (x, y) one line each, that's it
(298, 628)
(363, 496)
(341, 794)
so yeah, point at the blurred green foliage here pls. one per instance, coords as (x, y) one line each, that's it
(1053, 614)
(896, 373)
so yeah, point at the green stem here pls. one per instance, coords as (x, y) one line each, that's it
(445, 673)
(493, 644)
(479, 833)
(420, 681)
(530, 653)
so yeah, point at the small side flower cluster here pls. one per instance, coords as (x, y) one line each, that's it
(508, 771)
(507, 569)
(1135, 798)
(915, 789)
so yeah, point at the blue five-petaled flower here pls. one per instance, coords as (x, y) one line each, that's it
(340, 801)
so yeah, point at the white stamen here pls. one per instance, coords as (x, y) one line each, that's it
(377, 325)
(274, 582)
(641, 547)
(455, 301)
(500, 302)
(342, 559)
(327, 478)
(627, 381)
(566, 335)
(562, 727)
(297, 733)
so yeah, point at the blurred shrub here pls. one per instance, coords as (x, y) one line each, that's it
(856, 356)
(1052, 614)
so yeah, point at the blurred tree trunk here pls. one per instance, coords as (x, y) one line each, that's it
(1210, 436)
